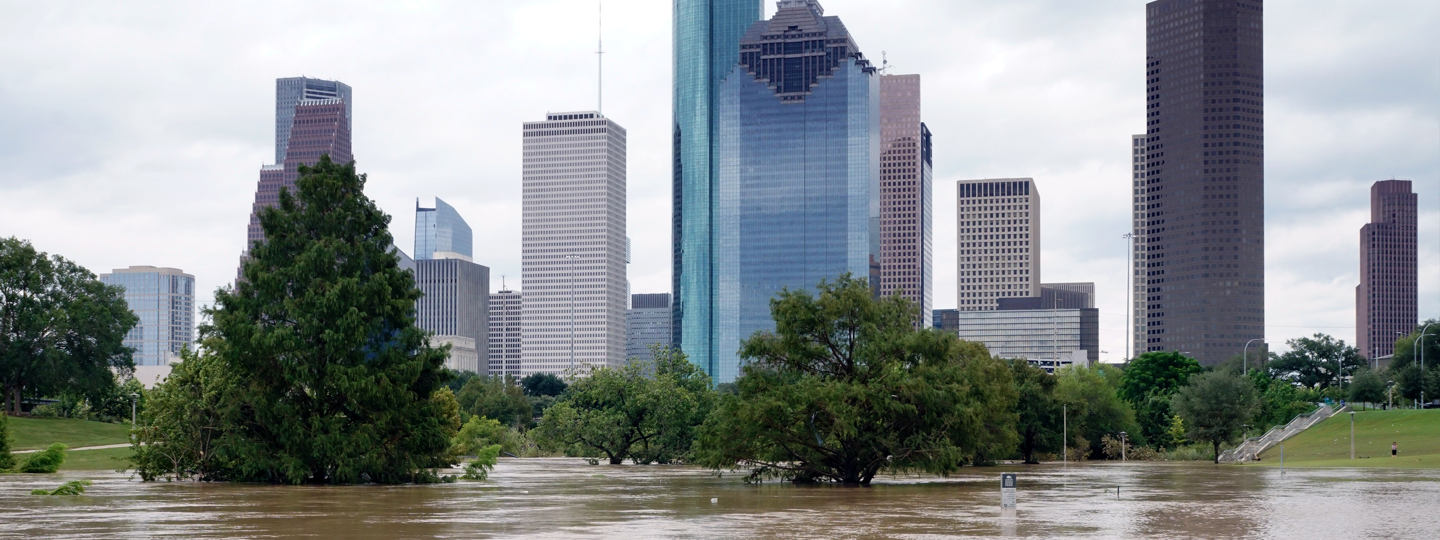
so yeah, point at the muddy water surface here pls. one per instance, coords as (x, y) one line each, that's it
(562, 498)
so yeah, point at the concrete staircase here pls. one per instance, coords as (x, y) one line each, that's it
(1252, 447)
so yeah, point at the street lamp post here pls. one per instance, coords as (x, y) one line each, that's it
(1246, 354)
(1122, 446)
(1129, 292)
(133, 398)
(573, 260)
(1352, 434)
(1422, 364)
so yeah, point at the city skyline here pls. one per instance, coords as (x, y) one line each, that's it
(1317, 262)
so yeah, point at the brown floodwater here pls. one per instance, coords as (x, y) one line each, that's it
(566, 498)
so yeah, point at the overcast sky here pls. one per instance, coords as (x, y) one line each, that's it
(132, 133)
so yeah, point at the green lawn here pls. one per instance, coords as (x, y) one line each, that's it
(109, 459)
(38, 433)
(1328, 444)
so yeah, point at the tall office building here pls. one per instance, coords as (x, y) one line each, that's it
(505, 314)
(647, 322)
(998, 255)
(573, 236)
(1200, 205)
(312, 117)
(1139, 336)
(1047, 338)
(455, 308)
(796, 198)
(707, 48)
(1385, 300)
(164, 300)
(905, 194)
(440, 229)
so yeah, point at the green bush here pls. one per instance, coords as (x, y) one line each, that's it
(48, 460)
(73, 487)
(480, 467)
(7, 461)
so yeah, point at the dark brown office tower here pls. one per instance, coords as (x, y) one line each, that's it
(1385, 300)
(1200, 200)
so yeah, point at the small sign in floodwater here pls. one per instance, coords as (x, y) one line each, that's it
(1007, 491)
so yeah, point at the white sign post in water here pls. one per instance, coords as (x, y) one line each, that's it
(1007, 491)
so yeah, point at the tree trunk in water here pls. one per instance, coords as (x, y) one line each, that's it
(1216, 446)
(616, 460)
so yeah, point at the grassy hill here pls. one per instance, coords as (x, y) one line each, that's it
(1328, 444)
(38, 433)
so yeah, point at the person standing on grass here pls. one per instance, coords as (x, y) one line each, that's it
(1394, 449)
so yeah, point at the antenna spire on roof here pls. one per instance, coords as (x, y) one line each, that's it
(600, 57)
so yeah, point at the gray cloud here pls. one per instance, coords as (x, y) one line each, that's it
(133, 134)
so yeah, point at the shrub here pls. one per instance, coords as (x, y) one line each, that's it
(73, 487)
(48, 460)
(7, 461)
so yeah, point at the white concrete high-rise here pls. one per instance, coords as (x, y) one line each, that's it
(999, 241)
(573, 243)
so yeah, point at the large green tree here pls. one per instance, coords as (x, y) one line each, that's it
(1040, 422)
(60, 328)
(1367, 387)
(644, 411)
(1095, 407)
(1405, 366)
(187, 428)
(1148, 383)
(7, 460)
(495, 397)
(1215, 407)
(1317, 362)
(846, 387)
(1279, 400)
(334, 378)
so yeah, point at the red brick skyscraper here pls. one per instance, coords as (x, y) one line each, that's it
(905, 201)
(1199, 198)
(312, 117)
(1385, 300)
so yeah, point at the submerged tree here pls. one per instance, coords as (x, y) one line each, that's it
(1215, 406)
(1040, 415)
(332, 381)
(846, 387)
(1096, 410)
(644, 411)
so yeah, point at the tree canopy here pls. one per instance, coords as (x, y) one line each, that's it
(1040, 423)
(1317, 362)
(329, 380)
(1096, 410)
(1147, 384)
(846, 387)
(1215, 406)
(644, 411)
(542, 384)
(61, 329)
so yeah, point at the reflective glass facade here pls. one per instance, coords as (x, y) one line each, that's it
(289, 92)
(1048, 338)
(164, 300)
(797, 195)
(440, 229)
(707, 46)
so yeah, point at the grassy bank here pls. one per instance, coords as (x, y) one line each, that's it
(109, 459)
(38, 433)
(1328, 444)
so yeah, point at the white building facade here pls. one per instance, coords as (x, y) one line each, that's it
(998, 242)
(573, 267)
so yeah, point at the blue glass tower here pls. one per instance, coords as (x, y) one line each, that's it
(797, 197)
(440, 229)
(707, 48)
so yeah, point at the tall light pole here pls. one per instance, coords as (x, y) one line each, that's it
(1422, 363)
(1129, 292)
(574, 259)
(1246, 354)
(133, 398)
(1122, 446)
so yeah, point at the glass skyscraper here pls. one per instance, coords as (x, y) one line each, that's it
(164, 300)
(796, 198)
(707, 48)
(440, 229)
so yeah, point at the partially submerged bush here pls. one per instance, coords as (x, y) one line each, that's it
(73, 487)
(48, 460)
